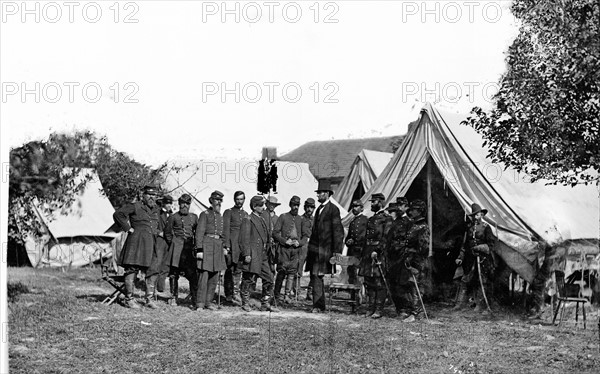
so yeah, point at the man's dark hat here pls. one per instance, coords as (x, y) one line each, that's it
(310, 202)
(401, 200)
(217, 195)
(185, 198)
(295, 200)
(324, 185)
(150, 189)
(256, 200)
(393, 207)
(167, 199)
(377, 196)
(476, 208)
(357, 203)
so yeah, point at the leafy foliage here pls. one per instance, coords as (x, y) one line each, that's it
(546, 117)
(37, 176)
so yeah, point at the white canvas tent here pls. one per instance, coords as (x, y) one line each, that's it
(521, 212)
(200, 178)
(78, 234)
(365, 169)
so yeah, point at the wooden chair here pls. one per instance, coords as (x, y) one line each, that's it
(115, 280)
(343, 285)
(564, 297)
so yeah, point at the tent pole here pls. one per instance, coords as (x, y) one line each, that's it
(429, 207)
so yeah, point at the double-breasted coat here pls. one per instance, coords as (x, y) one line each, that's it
(357, 232)
(232, 222)
(378, 227)
(289, 226)
(139, 245)
(209, 240)
(180, 234)
(253, 240)
(327, 238)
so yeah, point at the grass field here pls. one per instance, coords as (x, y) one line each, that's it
(57, 324)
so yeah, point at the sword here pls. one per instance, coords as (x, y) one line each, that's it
(419, 293)
(375, 262)
(481, 283)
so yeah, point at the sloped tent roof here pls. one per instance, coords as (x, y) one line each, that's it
(80, 231)
(200, 178)
(365, 169)
(522, 211)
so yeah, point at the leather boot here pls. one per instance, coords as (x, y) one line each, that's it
(245, 296)
(462, 299)
(150, 294)
(372, 303)
(174, 290)
(129, 288)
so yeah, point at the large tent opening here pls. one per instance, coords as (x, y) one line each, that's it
(358, 193)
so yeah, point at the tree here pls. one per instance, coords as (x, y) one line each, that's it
(546, 116)
(37, 176)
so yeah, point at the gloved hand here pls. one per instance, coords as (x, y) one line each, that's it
(458, 261)
(225, 251)
(289, 242)
(200, 255)
(247, 259)
(374, 255)
(413, 271)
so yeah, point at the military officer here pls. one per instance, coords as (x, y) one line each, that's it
(291, 232)
(210, 251)
(140, 221)
(377, 228)
(478, 244)
(232, 221)
(254, 238)
(417, 251)
(396, 249)
(181, 257)
(357, 237)
(159, 268)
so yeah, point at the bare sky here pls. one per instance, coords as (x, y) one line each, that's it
(154, 86)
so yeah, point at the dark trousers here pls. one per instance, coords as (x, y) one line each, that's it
(318, 292)
(207, 284)
(130, 276)
(190, 274)
(249, 282)
(400, 293)
(376, 291)
(232, 280)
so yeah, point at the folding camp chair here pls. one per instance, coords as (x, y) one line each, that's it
(565, 294)
(336, 289)
(116, 281)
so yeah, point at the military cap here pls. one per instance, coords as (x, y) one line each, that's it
(217, 195)
(167, 199)
(150, 189)
(185, 199)
(295, 200)
(310, 202)
(393, 207)
(357, 203)
(377, 196)
(418, 205)
(273, 201)
(401, 200)
(256, 201)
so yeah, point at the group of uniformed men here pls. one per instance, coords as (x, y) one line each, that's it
(392, 245)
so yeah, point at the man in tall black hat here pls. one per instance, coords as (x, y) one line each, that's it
(356, 240)
(232, 222)
(210, 251)
(327, 239)
(479, 243)
(180, 233)
(291, 232)
(140, 221)
(254, 238)
(378, 226)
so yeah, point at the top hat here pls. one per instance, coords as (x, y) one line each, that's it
(324, 185)
(476, 208)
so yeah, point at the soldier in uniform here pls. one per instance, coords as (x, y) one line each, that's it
(159, 268)
(291, 232)
(232, 221)
(374, 251)
(326, 239)
(479, 243)
(417, 252)
(396, 249)
(309, 208)
(210, 251)
(270, 217)
(140, 221)
(356, 239)
(253, 240)
(181, 257)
